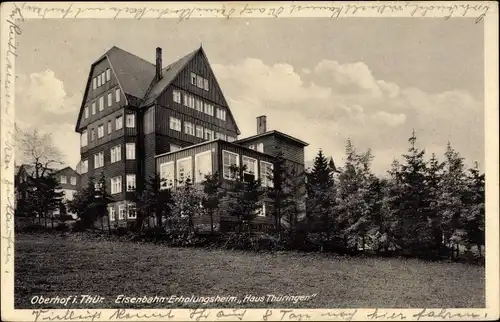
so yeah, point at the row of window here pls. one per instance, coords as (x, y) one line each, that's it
(116, 155)
(197, 130)
(123, 209)
(129, 122)
(203, 167)
(64, 180)
(101, 103)
(101, 79)
(116, 183)
(199, 105)
(199, 81)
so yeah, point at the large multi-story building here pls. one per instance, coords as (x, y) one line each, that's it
(137, 118)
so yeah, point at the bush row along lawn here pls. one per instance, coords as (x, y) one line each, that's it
(74, 264)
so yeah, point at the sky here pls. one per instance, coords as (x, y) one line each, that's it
(372, 80)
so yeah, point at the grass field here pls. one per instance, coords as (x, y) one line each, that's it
(51, 265)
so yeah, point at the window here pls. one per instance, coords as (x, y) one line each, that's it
(174, 147)
(175, 124)
(220, 136)
(229, 160)
(98, 160)
(261, 211)
(199, 81)
(205, 84)
(117, 95)
(177, 96)
(167, 175)
(230, 139)
(92, 134)
(199, 105)
(209, 109)
(266, 173)
(100, 131)
(110, 99)
(99, 80)
(189, 101)
(94, 83)
(131, 211)
(86, 112)
(209, 134)
(63, 179)
(199, 131)
(101, 103)
(93, 108)
(119, 122)
(84, 138)
(108, 75)
(130, 151)
(251, 146)
(130, 182)
(111, 213)
(189, 128)
(260, 147)
(84, 168)
(116, 153)
(73, 181)
(202, 165)
(121, 212)
(184, 171)
(249, 169)
(193, 79)
(110, 129)
(221, 114)
(130, 120)
(103, 77)
(116, 185)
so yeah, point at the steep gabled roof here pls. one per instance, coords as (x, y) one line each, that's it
(273, 132)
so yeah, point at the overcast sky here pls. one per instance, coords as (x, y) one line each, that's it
(320, 80)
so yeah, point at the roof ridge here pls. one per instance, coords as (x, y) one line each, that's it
(129, 53)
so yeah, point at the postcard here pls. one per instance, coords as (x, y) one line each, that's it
(249, 161)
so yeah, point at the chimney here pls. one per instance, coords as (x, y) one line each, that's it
(261, 124)
(158, 64)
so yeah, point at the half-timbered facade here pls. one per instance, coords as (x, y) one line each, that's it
(135, 115)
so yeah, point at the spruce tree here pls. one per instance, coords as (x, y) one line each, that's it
(213, 193)
(475, 214)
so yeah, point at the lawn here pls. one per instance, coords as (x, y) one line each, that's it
(52, 265)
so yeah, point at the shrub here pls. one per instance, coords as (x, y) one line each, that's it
(62, 227)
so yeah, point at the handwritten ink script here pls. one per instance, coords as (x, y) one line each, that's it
(331, 10)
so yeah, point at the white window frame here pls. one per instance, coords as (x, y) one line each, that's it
(110, 127)
(190, 172)
(265, 180)
(130, 182)
(84, 166)
(205, 84)
(189, 128)
(94, 111)
(86, 112)
(64, 180)
(131, 208)
(199, 81)
(230, 139)
(130, 151)
(111, 213)
(199, 130)
(211, 132)
(259, 147)
(73, 181)
(176, 96)
(119, 122)
(228, 176)
(100, 131)
(116, 185)
(175, 124)
(92, 135)
(103, 76)
(84, 139)
(193, 79)
(108, 75)
(94, 83)
(199, 176)
(255, 169)
(198, 105)
(121, 211)
(116, 153)
(262, 211)
(99, 80)
(174, 147)
(117, 95)
(110, 99)
(99, 157)
(208, 109)
(101, 103)
(170, 181)
(130, 120)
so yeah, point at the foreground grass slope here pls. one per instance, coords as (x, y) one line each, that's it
(51, 265)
